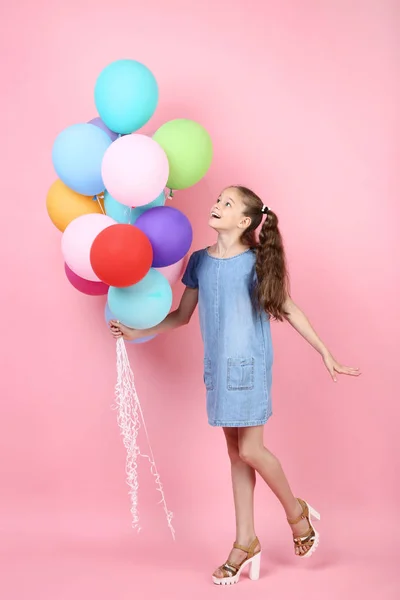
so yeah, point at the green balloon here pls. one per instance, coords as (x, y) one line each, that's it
(189, 150)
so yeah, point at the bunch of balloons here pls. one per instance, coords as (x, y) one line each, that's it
(119, 237)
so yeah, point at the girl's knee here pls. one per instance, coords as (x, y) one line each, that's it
(250, 453)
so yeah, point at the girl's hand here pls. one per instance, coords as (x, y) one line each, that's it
(118, 330)
(334, 367)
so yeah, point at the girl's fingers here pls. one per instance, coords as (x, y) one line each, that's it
(348, 370)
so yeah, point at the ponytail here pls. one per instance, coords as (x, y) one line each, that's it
(272, 275)
(272, 287)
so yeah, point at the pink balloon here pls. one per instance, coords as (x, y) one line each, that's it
(174, 272)
(77, 241)
(135, 170)
(91, 288)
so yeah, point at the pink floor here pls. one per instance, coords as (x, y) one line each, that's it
(78, 558)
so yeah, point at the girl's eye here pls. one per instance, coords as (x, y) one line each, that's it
(228, 204)
(219, 200)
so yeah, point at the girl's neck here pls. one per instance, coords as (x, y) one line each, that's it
(227, 246)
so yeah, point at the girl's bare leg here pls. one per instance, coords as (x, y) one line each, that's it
(243, 484)
(253, 452)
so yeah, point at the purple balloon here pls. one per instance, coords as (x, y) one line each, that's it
(91, 288)
(169, 232)
(99, 123)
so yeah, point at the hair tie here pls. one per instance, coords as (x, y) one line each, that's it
(265, 210)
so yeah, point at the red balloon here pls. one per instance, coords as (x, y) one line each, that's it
(121, 255)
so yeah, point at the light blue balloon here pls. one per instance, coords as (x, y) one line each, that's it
(126, 95)
(109, 317)
(117, 211)
(136, 212)
(144, 304)
(77, 155)
(123, 214)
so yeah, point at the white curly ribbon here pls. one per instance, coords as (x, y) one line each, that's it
(130, 417)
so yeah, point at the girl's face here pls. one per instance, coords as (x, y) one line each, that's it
(227, 214)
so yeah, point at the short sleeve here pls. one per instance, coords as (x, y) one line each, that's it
(190, 275)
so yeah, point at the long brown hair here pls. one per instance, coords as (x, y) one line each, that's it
(272, 274)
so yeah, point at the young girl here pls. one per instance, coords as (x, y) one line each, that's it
(240, 284)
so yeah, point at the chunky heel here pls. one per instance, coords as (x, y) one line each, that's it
(255, 564)
(314, 513)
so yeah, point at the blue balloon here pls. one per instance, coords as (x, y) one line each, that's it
(99, 123)
(117, 211)
(126, 95)
(136, 212)
(123, 214)
(109, 317)
(78, 152)
(144, 304)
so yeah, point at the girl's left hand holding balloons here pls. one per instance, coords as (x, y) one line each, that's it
(118, 330)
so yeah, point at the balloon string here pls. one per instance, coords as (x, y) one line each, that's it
(130, 417)
(97, 199)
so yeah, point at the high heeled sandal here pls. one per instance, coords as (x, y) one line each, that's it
(310, 539)
(233, 571)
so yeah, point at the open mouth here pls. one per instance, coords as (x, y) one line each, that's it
(215, 215)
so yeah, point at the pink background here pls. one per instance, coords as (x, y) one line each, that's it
(301, 100)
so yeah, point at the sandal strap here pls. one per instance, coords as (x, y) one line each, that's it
(300, 544)
(250, 550)
(303, 515)
(304, 540)
(230, 568)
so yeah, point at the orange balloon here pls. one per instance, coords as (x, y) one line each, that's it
(64, 205)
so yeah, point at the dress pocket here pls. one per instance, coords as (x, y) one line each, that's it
(240, 374)
(208, 376)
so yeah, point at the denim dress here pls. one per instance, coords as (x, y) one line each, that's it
(238, 351)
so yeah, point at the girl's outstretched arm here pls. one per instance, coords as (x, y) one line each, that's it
(177, 318)
(299, 321)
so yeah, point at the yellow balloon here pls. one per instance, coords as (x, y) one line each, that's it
(64, 205)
